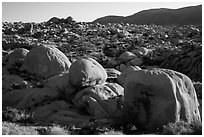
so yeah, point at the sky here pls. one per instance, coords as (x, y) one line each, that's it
(80, 11)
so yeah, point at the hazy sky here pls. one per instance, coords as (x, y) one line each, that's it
(80, 11)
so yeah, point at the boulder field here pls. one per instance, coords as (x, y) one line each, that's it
(171, 47)
(79, 91)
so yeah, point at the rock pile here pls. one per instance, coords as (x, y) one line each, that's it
(101, 101)
(150, 98)
(73, 72)
(150, 43)
(84, 86)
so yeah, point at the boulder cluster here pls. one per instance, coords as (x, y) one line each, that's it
(69, 72)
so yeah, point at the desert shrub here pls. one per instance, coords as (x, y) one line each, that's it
(52, 130)
(10, 128)
(182, 128)
(15, 115)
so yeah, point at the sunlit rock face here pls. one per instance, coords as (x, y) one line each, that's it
(46, 61)
(156, 97)
(86, 72)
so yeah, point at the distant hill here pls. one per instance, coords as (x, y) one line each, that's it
(182, 16)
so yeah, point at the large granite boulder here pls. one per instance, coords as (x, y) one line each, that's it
(142, 51)
(60, 83)
(121, 78)
(28, 97)
(17, 56)
(158, 96)
(135, 62)
(198, 89)
(101, 101)
(46, 61)
(127, 59)
(126, 56)
(86, 72)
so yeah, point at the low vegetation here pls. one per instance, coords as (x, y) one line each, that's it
(20, 122)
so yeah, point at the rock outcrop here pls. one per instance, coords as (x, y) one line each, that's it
(53, 89)
(158, 96)
(101, 101)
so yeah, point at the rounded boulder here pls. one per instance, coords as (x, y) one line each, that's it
(28, 26)
(142, 51)
(46, 61)
(86, 72)
(17, 56)
(126, 56)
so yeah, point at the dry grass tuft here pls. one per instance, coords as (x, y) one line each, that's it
(182, 128)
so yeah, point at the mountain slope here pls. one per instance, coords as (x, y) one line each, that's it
(162, 16)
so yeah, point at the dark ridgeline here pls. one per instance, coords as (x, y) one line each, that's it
(183, 16)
